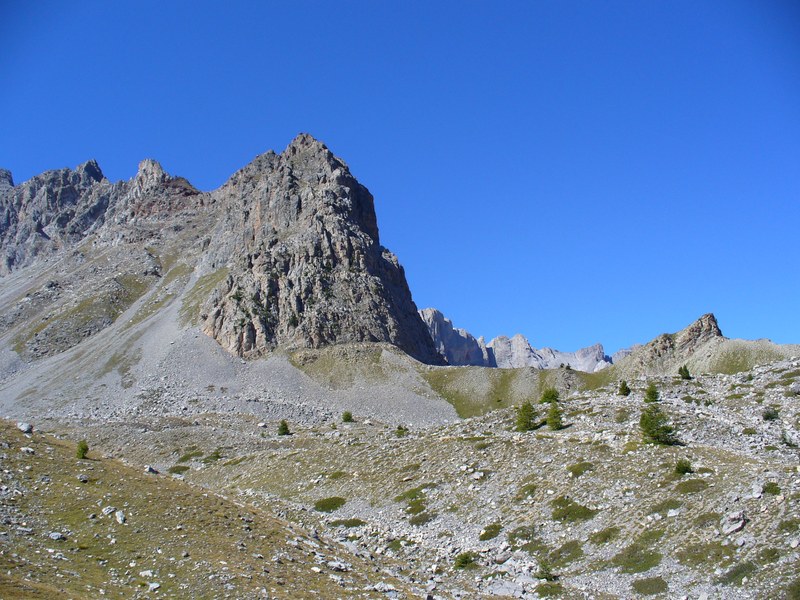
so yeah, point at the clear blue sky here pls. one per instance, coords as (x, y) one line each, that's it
(573, 171)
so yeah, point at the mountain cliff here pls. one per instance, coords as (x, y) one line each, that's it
(287, 252)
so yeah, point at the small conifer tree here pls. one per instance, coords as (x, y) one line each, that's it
(555, 420)
(549, 395)
(655, 427)
(82, 450)
(283, 428)
(624, 390)
(683, 371)
(651, 394)
(347, 417)
(525, 417)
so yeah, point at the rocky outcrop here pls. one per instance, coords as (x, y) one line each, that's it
(299, 238)
(669, 350)
(457, 346)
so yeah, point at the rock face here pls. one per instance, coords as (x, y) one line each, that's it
(300, 239)
(460, 348)
(457, 346)
(57, 209)
(668, 350)
(293, 236)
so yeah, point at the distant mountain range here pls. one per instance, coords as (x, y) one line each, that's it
(459, 348)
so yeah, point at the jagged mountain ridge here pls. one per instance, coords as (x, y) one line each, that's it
(461, 348)
(291, 242)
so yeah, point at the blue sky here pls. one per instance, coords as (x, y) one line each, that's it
(573, 171)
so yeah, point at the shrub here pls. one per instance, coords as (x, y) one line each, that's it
(178, 469)
(580, 468)
(329, 504)
(683, 371)
(82, 450)
(651, 393)
(526, 491)
(549, 395)
(554, 418)
(736, 574)
(772, 488)
(420, 519)
(348, 523)
(465, 560)
(401, 431)
(545, 572)
(525, 417)
(347, 417)
(683, 467)
(770, 414)
(624, 390)
(655, 428)
(283, 428)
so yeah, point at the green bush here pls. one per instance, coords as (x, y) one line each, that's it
(329, 504)
(420, 519)
(549, 395)
(555, 420)
(624, 390)
(651, 393)
(178, 469)
(82, 450)
(770, 414)
(465, 560)
(683, 467)
(772, 488)
(655, 428)
(580, 468)
(736, 574)
(545, 572)
(526, 416)
(401, 431)
(347, 417)
(683, 371)
(348, 523)
(283, 428)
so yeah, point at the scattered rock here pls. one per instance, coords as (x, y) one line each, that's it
(24, 427)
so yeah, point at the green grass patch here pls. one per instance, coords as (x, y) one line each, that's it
(736, 574)
(550, 589)
(465, 560)
(707, 519)
(650, 586)
(490, 532)
(190, 455)
(707, 553)
(604, 536)
(525, 492)
(348, 523)
(665, 506)
(636, 558)
(691, 486)
(570, 511)
(566, 553)
(580, 468)
(329, 504)
(178, 469)
(421, 518)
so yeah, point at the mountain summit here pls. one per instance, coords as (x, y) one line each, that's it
(287, 252)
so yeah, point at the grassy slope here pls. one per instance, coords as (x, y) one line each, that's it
(195, 543)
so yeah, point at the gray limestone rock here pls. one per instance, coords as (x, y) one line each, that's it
(457, 346)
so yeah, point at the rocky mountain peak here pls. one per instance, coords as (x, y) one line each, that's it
(6, 180)
(90, 172)
(150, 173)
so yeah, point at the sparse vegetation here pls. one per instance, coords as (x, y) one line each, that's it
(348, 523)
(683, 467)
(636, 558)
(604, 536)
(624, 390)
(347, 417)
(490, 532)
(772, 488)
(683, 371)
(770, 414)
(283, 428)
(691, 486)
(580, 468)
